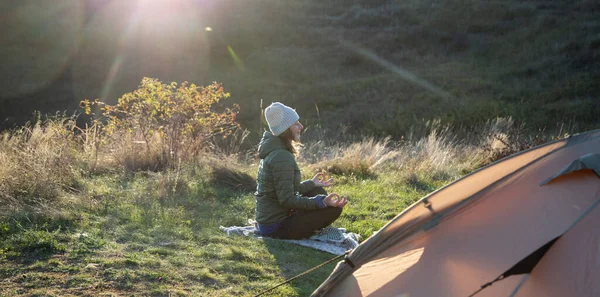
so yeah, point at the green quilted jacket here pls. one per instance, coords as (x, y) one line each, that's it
(278, 183)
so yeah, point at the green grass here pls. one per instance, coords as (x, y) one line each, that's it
(116, 232)
(125, 242)
(68, 228)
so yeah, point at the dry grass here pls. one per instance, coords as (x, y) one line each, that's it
(359, 158)
(129, 152)
(502, 137)
(434, 155)
(134, 154)
(440, 154)
(43, 160)
(38, 162)
(229, 171)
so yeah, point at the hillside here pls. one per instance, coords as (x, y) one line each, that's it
(131, 204)
(377, 67)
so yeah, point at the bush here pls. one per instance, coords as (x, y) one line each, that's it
(502, 138)
(159, 125)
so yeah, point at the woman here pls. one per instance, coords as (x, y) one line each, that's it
(285, 207)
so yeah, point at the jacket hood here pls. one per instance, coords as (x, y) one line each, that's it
(269, 143)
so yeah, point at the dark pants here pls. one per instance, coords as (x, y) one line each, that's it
(303, 223)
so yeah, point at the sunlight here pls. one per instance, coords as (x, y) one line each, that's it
(118, 61)
(161, 17)
(394, 266)
(158, 6)
(160, 14)
(128, 40)
(401, 72)
(236, 59)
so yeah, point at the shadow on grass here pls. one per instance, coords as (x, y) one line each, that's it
(26, 259)
(293, 259)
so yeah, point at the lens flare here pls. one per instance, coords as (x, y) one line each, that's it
(401, 72)
(236, 59)
(129, 40)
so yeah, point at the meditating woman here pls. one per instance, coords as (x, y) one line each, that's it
(285, 207)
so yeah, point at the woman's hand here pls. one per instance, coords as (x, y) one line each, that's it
(334, 200)
(320, 181)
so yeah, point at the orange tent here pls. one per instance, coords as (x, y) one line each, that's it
(527, 225)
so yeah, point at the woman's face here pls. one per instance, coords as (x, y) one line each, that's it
(296, 129)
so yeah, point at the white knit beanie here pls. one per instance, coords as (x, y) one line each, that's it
(280, 117)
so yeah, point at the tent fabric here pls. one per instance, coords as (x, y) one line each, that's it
(473, 229)
(590, 161)
(526, 265)
(572, 266)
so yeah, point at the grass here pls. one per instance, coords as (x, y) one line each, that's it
(525, 59)
(126, 240)
(179, 252)
(75, 223)
(531, 60)
(115, 232)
